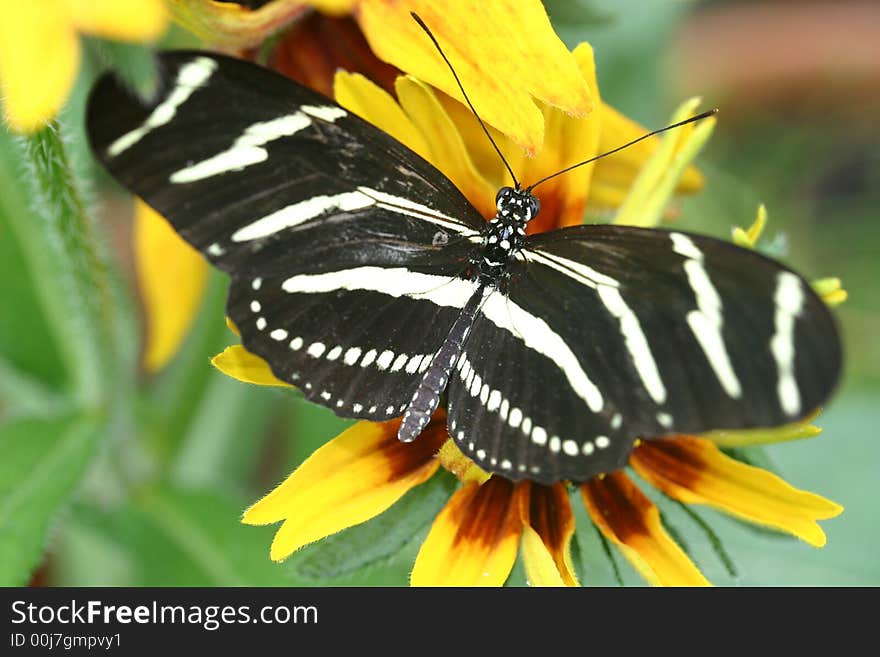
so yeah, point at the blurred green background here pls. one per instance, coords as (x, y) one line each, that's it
(150, 492)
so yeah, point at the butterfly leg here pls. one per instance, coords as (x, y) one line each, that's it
(426, 398)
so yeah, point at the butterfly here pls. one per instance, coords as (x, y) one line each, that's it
(366, 279)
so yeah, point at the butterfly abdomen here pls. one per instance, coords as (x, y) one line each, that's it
(427, 397)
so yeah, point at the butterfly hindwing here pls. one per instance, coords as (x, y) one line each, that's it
(361, 353)
(513, 411)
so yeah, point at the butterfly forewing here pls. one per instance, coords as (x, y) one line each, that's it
(262, 174)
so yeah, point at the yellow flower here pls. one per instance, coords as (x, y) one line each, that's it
(40, 49)
(475, 539)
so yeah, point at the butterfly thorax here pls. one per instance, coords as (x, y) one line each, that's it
(505, 231)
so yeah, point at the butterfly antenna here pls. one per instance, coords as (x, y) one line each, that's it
(698, 117)
(421, 23)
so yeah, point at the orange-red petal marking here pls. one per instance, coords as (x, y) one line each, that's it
(473, 540)
(548, 525)
(631, 521)
(318, 46)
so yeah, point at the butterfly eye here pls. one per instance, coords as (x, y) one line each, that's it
(534, 207)
(502, 196)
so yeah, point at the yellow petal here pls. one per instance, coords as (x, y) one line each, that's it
(39, 59)
(235, 26)
(123, 20)
(460, 465)
(372, 103)
(831, 290)
(353, 478)
(631, 521)
(567, 140)
(657, 180)
(422, 123)
(835, 298)
(749, 238)
(694, 471)
(501, 51)
(484, 157)
(605, 196)
(473, 540)
(615, 174)
(548, 525)
(171, 277)
(447, 149)
(239, 363)
(540, 567)
(462, 151)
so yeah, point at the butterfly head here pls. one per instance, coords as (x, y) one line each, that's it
(517, 204)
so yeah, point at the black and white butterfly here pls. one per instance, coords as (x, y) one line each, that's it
(366, 279)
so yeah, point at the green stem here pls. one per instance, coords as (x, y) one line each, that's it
(69, 274)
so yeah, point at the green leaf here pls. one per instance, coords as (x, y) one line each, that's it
(43, 459)
(713, 538)
(375, 540)
(88, 552)
(192, 538)
(517, 577)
